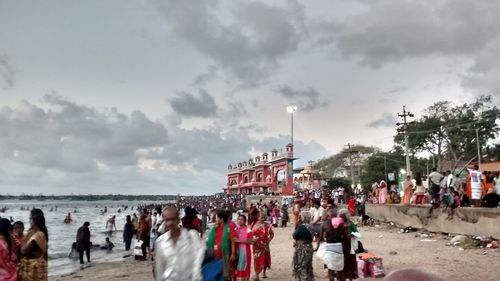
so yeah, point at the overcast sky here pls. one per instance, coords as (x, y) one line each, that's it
(157, 97)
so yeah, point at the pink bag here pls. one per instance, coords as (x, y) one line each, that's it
(362, 269)
(376, 268)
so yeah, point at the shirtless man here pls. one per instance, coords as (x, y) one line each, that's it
(110, 224)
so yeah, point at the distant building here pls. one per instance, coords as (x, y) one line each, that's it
(269, 173)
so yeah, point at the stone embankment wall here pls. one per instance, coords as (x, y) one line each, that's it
(468, 221)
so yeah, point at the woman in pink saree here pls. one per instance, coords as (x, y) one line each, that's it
(243, 252)
(382, 194)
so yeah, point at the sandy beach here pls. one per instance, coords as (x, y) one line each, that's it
(399, 250)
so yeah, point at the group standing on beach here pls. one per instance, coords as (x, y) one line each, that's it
(229, 251)
(24, 257)
(443, 189)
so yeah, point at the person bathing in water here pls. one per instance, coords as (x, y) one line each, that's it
(110, 224)
(68, 219)
(108, 245)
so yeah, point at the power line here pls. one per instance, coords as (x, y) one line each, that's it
(350, 152)
(455, 126)
(404, 125)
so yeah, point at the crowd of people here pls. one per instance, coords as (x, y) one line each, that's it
(322, 227)
(24, 257)
(442, 189)
(199, 237)
(220, 200)
(228, 253)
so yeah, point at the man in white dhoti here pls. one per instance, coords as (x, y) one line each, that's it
(476, 185)
(336, 238)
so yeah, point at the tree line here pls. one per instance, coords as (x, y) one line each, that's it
(445, 132)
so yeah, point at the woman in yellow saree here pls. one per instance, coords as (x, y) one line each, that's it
(34, 250)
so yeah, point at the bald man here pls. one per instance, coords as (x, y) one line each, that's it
(411, 275)
(179, 252)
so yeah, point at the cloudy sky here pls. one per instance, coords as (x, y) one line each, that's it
(157, 97)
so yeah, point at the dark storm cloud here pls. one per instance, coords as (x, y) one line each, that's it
(387, 120)
(233, 114)
(73, 138)
(393, 30)
(7, 73)
(188, 105)
(485, 71)
(306, 99)
(211, 74)
(67, 147)
(247, 39)
(392, 95)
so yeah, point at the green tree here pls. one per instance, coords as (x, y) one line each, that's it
(337, 165)
(447, 131)
(380, 163)
(338, 182)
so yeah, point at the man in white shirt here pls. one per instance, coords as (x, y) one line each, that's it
(476, 185)
(317, 216)
(435, 179)
(449, 179)
(341, 196)
(179, 252)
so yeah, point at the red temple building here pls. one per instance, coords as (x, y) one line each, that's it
(269, 173)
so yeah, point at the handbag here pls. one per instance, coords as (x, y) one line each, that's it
(212, 270)
(138, 248)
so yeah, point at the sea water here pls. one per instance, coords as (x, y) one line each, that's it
(62, 235)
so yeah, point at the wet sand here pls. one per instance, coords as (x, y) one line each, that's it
(410, 252)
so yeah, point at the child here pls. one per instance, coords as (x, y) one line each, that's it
(108, 245)
(454, 202)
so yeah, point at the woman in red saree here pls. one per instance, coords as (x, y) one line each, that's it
(243, 240)
(408, 190)
(263, 234)
(7, 254)
(351, 206)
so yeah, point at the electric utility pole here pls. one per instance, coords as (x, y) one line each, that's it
(350, 152)
(404, 125)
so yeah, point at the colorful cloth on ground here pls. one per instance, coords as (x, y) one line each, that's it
(261, 250)
(7, 262)
(302, 262)
(244, 254)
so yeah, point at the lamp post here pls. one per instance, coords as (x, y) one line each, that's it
(477, 143)
(291, 109)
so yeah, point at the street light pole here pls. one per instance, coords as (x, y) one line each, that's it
(385, 168)
(478, 146)
(291, 109)
(404, 115)
(478, 149)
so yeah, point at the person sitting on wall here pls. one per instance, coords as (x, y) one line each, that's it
(491, 199)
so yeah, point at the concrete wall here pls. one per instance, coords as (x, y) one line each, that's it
(267, 198)
(469, 221)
